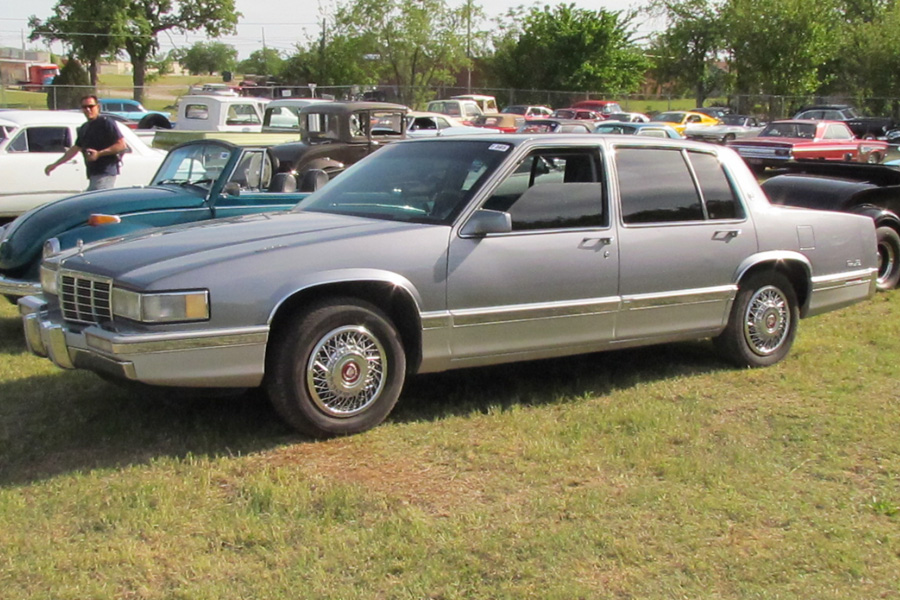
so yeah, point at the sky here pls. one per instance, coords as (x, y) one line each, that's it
(278, 24)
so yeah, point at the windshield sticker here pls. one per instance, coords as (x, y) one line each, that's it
(499, 147)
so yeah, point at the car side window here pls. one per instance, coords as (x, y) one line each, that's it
(559, 189)
(655, 186)
(718, 193)
(41, 139)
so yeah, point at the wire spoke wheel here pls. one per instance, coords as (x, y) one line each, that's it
(346, 371)
(767, 320)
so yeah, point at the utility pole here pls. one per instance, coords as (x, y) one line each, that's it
(469, 46)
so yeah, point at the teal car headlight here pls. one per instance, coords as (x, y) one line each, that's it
(48, 278)
(164, 307)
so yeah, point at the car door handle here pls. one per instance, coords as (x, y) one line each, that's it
(726, 236)
(596, 243)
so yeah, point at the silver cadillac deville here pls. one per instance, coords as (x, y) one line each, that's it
(447, 253)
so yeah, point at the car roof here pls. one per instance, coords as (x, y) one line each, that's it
(53, 117)
(346, 107)
(300, 102)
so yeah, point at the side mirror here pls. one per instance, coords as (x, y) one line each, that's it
(485, 221)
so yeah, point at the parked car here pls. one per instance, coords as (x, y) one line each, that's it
(716, 112)
(629, 117)
(504, 122)
(576, 113)
(731, 127)
(658, 130)
(556, 126)
(528, 111)
(283, 114)
(334, 135)
(198, 181)
(446, 253)
(782, 141)
(464, 110)
(679, 120)
(603, 107)
(866, 128)
(487, 104)
(35, 138)
(425, 124)
(869, 190)
(134, 111)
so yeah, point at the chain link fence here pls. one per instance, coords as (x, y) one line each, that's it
(767, 107)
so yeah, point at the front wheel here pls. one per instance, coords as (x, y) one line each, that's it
(336, 369)
(763, 321)
(888, 258)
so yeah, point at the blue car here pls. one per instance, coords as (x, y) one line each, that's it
(643, 129)
(132, 110)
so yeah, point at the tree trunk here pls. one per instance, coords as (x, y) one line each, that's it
(94, 71)
(139, 66)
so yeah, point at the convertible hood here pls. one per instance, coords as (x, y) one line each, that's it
(53, 218)
(171, 250)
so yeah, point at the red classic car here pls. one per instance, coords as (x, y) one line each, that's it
(798, 139)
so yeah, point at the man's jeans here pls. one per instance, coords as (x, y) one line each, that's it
(101, 182)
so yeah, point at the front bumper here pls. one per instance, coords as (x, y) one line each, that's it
(217, 358)
(18, 287)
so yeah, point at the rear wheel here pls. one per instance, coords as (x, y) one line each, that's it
(763, 321)
(336, 368)
(888, 258)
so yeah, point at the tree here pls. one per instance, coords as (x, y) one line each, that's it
(687, 52)
(413, 44)
(67, 89)
(265, 61)
(148, 18)
(91, 29)
(784, 52)
(567, 48)
(207, 57)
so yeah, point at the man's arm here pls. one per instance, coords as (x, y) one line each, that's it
(67, 156)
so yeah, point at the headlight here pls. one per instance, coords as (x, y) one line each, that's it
(164, 307)
(48, 279)
(50, 248)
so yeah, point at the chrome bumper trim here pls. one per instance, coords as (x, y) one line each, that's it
(18, 287)
(116, 345)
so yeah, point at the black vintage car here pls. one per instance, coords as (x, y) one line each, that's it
(334, 135)
(871, 190)
(862, 127)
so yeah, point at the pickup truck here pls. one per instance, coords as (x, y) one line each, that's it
(783, 141)
(866, 128)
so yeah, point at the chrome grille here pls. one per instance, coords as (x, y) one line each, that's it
(85, 298)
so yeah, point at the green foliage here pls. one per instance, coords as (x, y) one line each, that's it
(567, 48)
(411, 44)
(780, 46)
(91, 29)
(687, 52)
(265, 61)
(69, 86)
(207, 57)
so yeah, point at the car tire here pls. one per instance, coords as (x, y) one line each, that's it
(337, 368)
(888, 258)
(763, 321)
(154, 121)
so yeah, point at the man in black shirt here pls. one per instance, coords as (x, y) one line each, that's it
(101, 143)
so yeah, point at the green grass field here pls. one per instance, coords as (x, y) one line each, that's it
(652, 473)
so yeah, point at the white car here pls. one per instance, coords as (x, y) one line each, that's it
(35, 138)
(429, 124)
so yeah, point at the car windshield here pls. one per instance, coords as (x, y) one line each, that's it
(411, 181)
(735, 120)
(789, 130)
(669, 117)
(196, 164)
(617, 129)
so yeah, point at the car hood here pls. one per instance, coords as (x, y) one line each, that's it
(141, 259)
(767, 141)
(24, 237)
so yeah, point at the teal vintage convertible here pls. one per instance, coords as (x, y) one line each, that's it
(198, 180)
